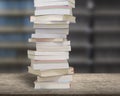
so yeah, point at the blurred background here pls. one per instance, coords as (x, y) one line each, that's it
(95, 37)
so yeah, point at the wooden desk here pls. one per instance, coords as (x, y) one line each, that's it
(22, 83)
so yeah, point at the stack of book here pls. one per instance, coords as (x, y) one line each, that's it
(50, 59)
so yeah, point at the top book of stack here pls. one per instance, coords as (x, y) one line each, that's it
(57, 7)
(43, 3)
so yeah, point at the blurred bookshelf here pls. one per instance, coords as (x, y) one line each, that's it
(15, 29)
(95, 38)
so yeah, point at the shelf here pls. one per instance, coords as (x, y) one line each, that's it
(104, 12)
(106, 29)
(15, 61)
(107, 61)
(15, 45)
(79, 60)
(79, 28)
(15, 12)
(16, 29)
(81, 12)
(106, 45)
(80, 45)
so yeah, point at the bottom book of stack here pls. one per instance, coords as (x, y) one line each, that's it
(52, 78)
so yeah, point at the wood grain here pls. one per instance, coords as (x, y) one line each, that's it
(22, 83)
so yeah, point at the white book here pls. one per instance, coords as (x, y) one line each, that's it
(50, 26)
(49, 57)
(48, 61)
(56, 11)
(53, 49)
(64, 43)
(51, 85)
(51, 73)
(55, 46)
(60, 79)
(32, 52)
(49, 66)
(47, 1)
(48, 36)
(50, 22)
(53, 18)
(52, 31)
(47, 40)
(39, 3)
(51, 44)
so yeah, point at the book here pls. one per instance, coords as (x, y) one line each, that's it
(53, 18)
(49, 44)
(48, 57)
(52, 31)
(51, 26)
(53, 72)
(46, 40)
(60, 79)
(53, 48)
(53, 43)
(53, 7)
(32, 52)
(47, 61)
(39, 3)
(54, 11)
(48, 36)
(72, 1)
(51, 22)
(51, 85)
(50, 65)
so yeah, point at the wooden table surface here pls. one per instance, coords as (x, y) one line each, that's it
(22, 83)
